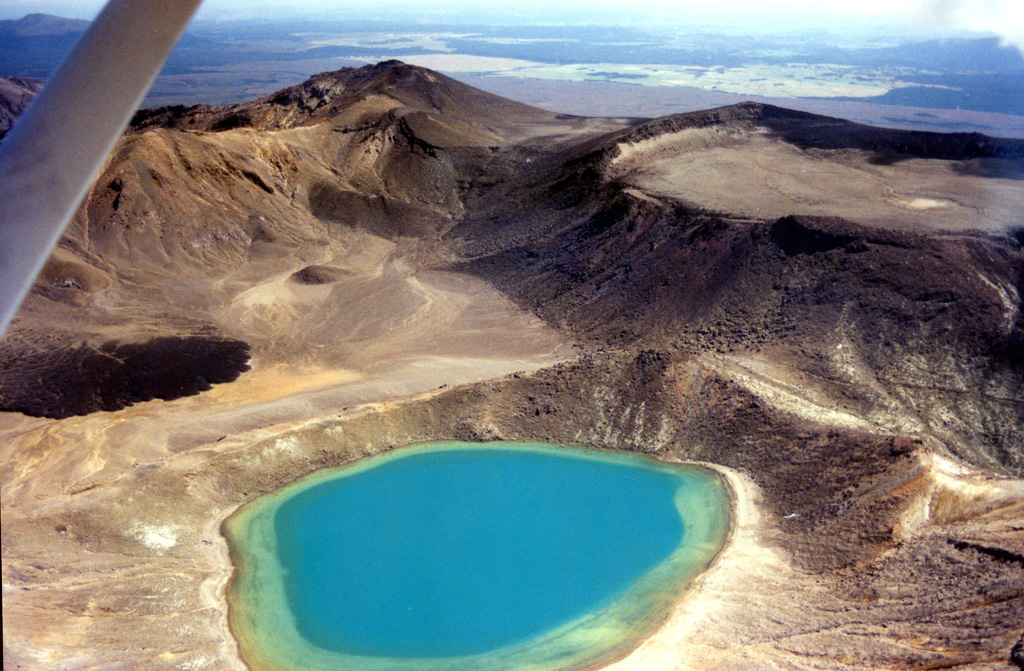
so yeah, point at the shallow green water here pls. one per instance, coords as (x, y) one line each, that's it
(456, 555)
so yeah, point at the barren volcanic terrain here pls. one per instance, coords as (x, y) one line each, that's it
(829, 314)
(15, 95)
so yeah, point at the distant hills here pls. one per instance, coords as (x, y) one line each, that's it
(901, 79)
(39, 25)
(33, 46)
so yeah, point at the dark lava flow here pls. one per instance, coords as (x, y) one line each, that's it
(83, 379)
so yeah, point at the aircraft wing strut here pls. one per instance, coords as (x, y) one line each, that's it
(56, 149)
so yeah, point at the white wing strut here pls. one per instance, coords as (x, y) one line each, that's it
(50, 158)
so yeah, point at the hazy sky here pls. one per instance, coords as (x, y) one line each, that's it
(1001, 17)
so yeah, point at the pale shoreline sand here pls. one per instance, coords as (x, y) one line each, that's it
(676, 643)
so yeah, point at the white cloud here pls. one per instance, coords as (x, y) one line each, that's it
(1005, 18)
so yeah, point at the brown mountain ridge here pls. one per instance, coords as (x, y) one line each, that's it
(828, 313)
(15, 95)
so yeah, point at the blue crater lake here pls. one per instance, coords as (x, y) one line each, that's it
(469, 556)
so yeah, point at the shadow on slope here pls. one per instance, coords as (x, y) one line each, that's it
(84, 379)
(906, 330)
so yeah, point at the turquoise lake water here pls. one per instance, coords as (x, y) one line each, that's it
(456, 555)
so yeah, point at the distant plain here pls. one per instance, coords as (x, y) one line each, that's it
(896, 79)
